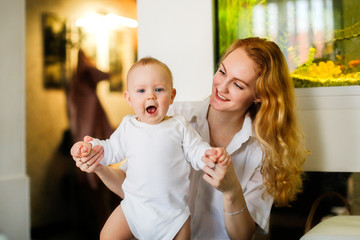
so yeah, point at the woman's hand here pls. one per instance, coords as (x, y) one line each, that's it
(91, 162)
(223, 178)
(216, 155)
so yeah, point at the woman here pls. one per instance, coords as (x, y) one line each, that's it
(251, 113)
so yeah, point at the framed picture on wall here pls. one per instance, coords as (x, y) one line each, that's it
(54, 51)
(319, 38)
(116, 60)
(111, 47)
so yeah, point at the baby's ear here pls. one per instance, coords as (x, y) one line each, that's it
(127, 97)
(173, 94)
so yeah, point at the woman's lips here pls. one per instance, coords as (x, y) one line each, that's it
(221, 97)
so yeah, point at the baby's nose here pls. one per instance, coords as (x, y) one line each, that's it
(151, 96)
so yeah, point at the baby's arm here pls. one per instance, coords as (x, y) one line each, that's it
(218, 155)
(195, 147)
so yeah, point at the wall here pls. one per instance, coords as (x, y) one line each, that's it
(46, 112)
(14, 184)
(330, 118)
(181, 34)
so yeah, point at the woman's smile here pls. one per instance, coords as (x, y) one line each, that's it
(221, 97)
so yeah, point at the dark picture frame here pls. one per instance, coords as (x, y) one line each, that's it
(61, 43)
(54, 51)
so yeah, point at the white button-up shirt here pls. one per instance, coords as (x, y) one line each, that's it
(205, 202)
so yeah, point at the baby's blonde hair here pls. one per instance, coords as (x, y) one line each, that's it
(275, 121)
(151, 61)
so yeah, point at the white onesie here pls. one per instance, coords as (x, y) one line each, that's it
(157, 177)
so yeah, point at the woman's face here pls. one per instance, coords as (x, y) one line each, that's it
(234, 83)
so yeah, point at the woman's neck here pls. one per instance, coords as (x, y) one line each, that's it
(223, 126)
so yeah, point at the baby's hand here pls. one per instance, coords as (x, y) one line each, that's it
(80, 149)
(219, 155)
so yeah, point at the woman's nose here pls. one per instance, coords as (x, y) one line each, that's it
(222, 86)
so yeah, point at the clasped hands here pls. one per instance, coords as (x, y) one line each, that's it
(88, 158)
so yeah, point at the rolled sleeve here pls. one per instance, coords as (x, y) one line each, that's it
(259, 204)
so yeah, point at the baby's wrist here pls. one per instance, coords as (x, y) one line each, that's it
(92, 144)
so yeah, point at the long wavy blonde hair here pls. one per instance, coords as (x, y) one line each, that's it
(275, 121)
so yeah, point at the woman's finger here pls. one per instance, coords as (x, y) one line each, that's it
(208, 179)
(208, 161)
(210, 176)
(78, 163)
(217, 177)
(86, 167)
(93, 164)
(97, 157)
(93, 152)
(209, 171)
(83, 166)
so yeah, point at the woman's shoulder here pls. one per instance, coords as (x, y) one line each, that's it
(183, 107)
(176, 121)
(188, 109)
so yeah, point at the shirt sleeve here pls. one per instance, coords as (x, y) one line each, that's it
(113, 147)
(258, 203)
(194, 146)
(124, 165)
(184, 109)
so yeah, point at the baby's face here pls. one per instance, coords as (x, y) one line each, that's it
(150, 93)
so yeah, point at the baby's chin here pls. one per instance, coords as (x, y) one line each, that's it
(152, 120)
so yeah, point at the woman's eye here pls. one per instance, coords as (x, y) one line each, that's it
(221, 72)
(159, 90)
(238, 86)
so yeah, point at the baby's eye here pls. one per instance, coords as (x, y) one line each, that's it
(141, 90)
(159, 89)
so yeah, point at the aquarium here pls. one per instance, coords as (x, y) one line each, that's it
(319, 38)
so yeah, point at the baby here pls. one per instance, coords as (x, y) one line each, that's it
(158, 149)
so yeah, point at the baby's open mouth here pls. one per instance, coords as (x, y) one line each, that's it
(151, 109)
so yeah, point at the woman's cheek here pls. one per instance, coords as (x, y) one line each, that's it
(216, 79)
(216, 82)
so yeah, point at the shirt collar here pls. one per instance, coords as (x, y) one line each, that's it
(247, 130)
(201, 111)
(242, 136)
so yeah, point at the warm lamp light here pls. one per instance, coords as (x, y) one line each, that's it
(100, 26)
(110, 21)
(119, 20)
